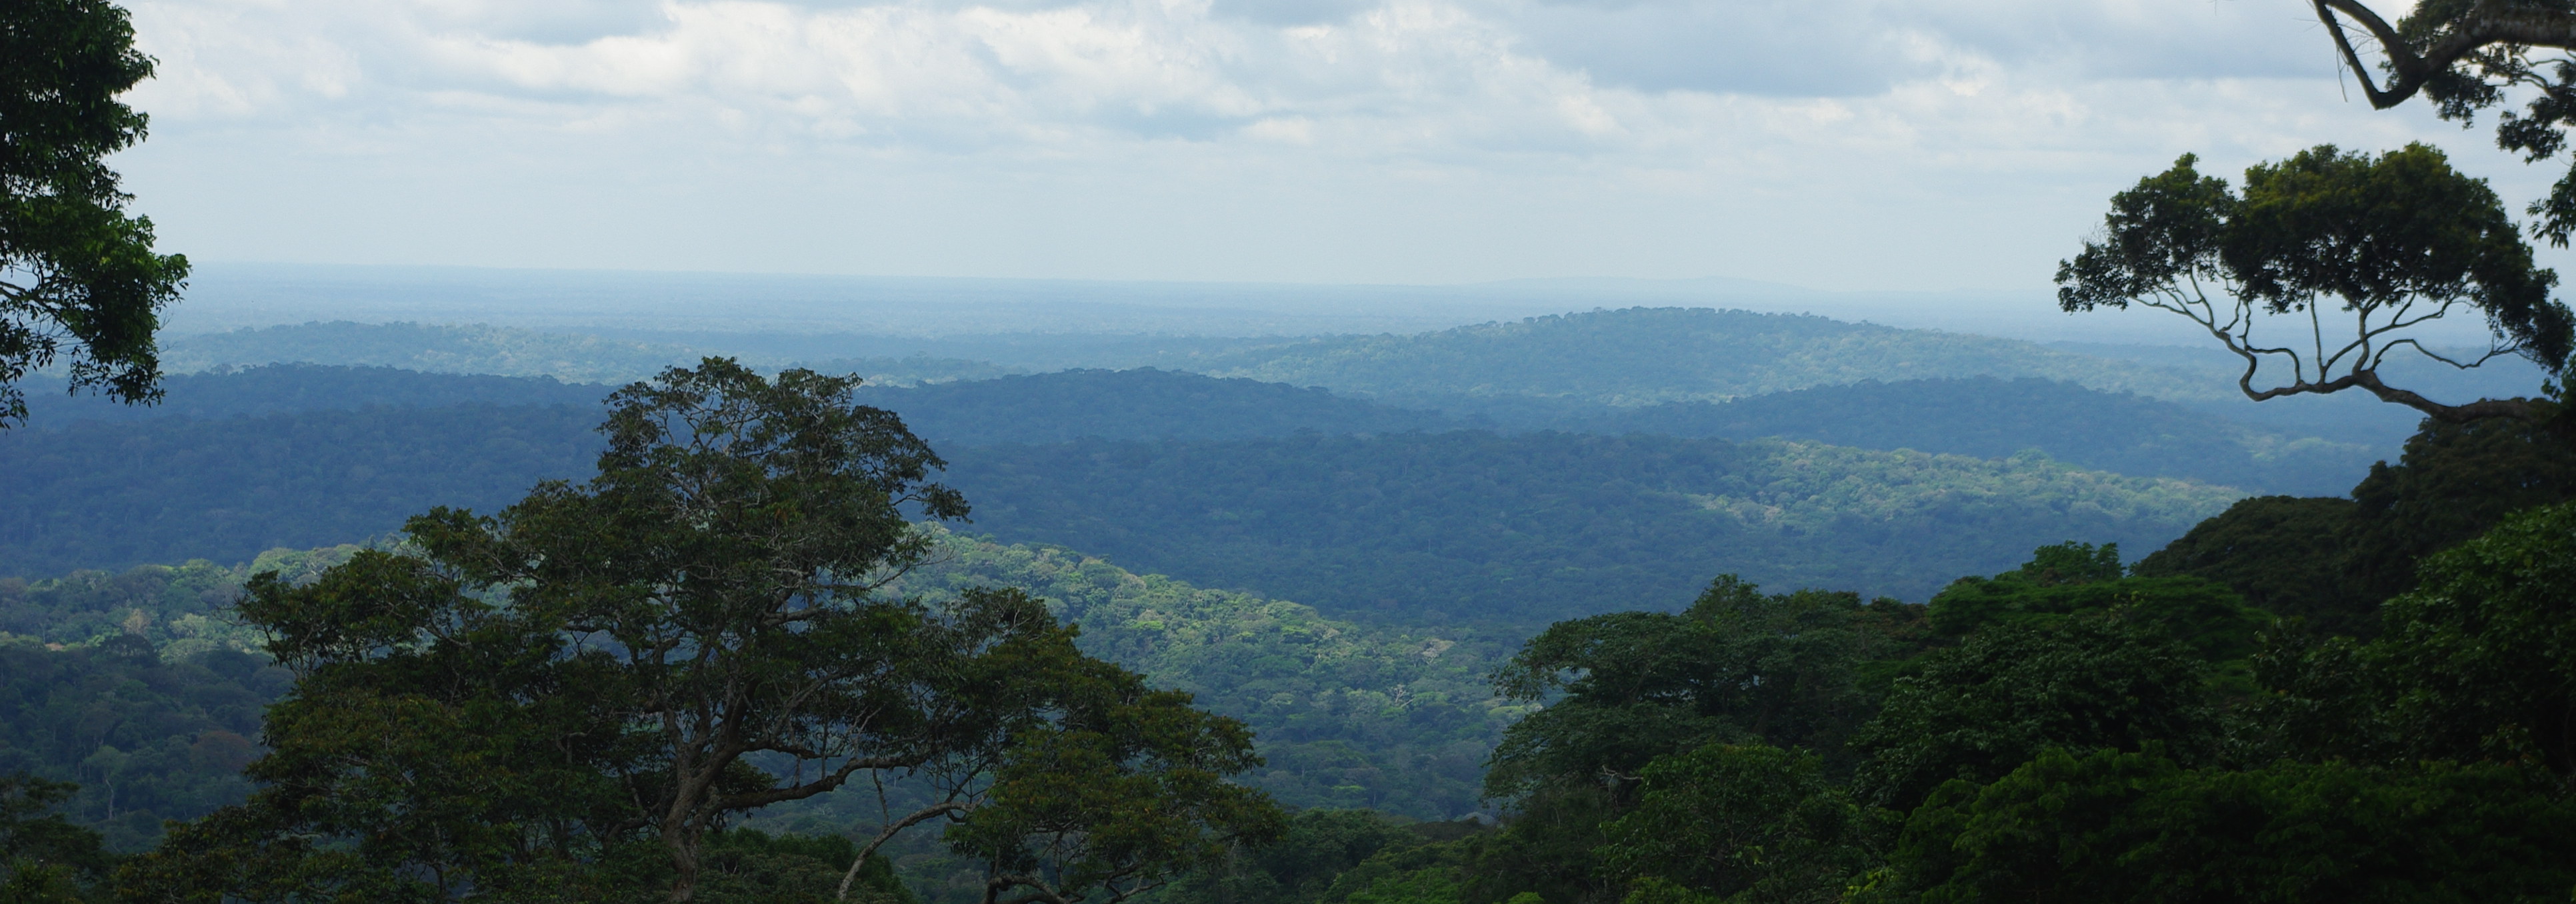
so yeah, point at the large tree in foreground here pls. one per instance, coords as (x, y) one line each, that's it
(2324, 267)
(78, 278)
(565, 700)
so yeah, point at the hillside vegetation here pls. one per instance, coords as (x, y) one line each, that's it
(1348, 715)
(1478, 527)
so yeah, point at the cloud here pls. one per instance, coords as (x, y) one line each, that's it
(1843, 143)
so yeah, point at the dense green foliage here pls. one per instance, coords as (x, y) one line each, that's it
(1348, 715)
(2093, 737)
(2479, 663)
(1641, 356)
(44, 858)
(146, 738)
(2010, 691)
(2282, 553)
(1750, 822)
(1476, 527)
(2333, 561)
(1737, 667)
(80, 286)
(2135, 827)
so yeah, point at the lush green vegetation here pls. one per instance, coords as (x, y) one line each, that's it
(146, 737)
(1350, 715)
(2332, 561)
(1429, 529)
(2074, 735)
(1642, 356)
(83, 290)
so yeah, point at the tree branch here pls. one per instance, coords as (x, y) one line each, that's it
(2488, 23)
(917, 817)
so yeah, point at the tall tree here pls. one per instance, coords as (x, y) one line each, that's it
(541, 701)
(2395, 241)
(78, 277)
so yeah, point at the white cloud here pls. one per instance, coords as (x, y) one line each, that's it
(1864, 143)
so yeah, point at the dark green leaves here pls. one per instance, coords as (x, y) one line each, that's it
(1738, 666)
(83, 273)
(1753, 821)
(2166, 231)
(2012, 690)
(2134, 827)
(44, 858)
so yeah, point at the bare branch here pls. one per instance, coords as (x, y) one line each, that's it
(2489, 23)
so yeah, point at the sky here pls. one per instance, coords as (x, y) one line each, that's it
(1853, 145)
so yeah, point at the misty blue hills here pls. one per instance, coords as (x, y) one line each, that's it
(1511, 473)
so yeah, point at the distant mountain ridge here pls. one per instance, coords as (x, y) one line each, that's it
(1983, 417)
(1477, 527)
(506, 351)
(1643, 356)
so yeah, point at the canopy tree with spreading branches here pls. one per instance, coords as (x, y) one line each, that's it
(2327, 264)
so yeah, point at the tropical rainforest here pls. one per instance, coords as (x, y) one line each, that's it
(1650, 606)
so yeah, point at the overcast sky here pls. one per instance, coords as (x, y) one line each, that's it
(1839, 144)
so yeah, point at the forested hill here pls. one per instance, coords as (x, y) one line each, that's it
(109, 495)
(285, 388)
(1478, 527)
(1643, 356)
(1472, 524)
(1978, 416)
